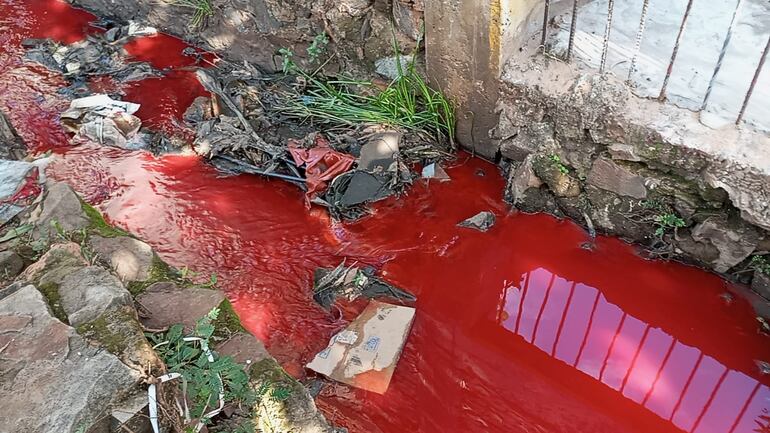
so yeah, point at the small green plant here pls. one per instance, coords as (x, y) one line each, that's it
(318, 47)
(287, 60)
(667, 221)
(760, 264)
(205, 379)
(556, 161)
(202, 10)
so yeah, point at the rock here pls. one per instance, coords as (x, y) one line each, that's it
(89, 292)
(166, 304)
(130, 258)
(62, 205)
(388, 66)
(11, 264)
(761, 284)
(555, 174)
(735, 240)
(244, 349)
(408, 18)
(13, 176)
(60, 260)
(296, 413)
(482, 221)
(537, 137)
(131, 415)
(521, 179)
(51, 380)
(611, 176)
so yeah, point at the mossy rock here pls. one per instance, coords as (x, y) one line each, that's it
(98, 225)
(119, 332)
(160, 271)
(50, 291)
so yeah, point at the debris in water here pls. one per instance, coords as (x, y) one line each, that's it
(104, 120)
(352, 282)
(18, 186)
(482, 221)
(97, 54)
(380, 152)
(365, 354)
(434, 171)
(322, 164)
(764, 367)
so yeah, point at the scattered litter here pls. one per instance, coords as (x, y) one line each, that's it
(13, 175)
(482, 221)
(365, 354)
(434, 171)
(351, 282)
(322, 164)
(11, 145)
(18, 187)
(102, 119)
(97, 54)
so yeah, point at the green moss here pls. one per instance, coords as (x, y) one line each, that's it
(110, 330)
(159, 271)
(51, 293)
(227, 322)
(98, 225)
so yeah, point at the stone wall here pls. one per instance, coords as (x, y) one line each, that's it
(580, 145)
(254, 30)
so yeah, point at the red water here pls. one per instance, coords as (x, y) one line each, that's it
(517, 330)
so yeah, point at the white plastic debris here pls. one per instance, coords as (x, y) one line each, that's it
(102, 119)
(365, 354)
(434, 171)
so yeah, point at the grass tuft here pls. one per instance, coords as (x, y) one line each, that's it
(202, 10)
(408, 103)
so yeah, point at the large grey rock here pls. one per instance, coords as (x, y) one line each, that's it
(166, 304)
(244, 349)
(62, 205)
(735, 240)
(51, 380)
(89, 292)
(522, 179)
(60, 260)
(610, 176)
(482, 221)
(130, 258)
(408, 17)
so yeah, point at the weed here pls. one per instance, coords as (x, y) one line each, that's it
(205, 379)
(318, 47)
(760, 264)
(202, 10)
(287, 59)
(16, 232)
(556, 161)
(666, 221)
(408, 102)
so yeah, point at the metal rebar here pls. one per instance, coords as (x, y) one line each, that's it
(639, 35)
(607, 30)
(572, 29)
(670, 69)
(721, 55)
(754, 81)
(545, 22)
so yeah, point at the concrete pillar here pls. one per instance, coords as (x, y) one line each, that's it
(467, 42)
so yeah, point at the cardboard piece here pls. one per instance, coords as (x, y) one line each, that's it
(365, 353)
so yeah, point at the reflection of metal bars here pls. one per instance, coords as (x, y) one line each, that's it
(639, 352)
(672, 60)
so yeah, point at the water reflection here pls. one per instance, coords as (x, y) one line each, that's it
(574, 323)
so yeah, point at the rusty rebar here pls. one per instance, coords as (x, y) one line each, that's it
(721, 55)
(754, 81)
(670, 69)
(572, 29)
(607, 30)
(545, 22)
(639, 35)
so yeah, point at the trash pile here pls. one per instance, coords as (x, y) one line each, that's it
(104, 120)
(239, 129)
(366, 352)
(99, 54)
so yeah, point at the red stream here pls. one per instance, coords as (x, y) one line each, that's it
(517, 330)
